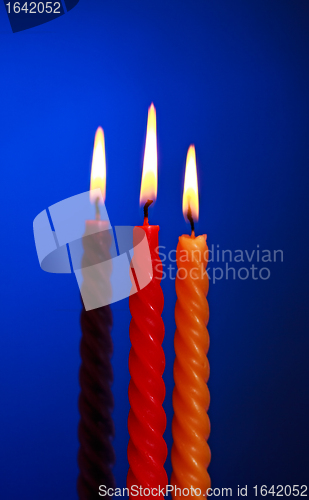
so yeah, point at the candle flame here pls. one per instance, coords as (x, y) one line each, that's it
(98, 167)
(190, 190)
(149, 183)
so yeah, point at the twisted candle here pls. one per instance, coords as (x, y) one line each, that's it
(191, 426)
(96, 429)
(147, 449)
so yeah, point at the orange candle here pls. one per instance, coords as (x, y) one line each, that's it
(191, 426)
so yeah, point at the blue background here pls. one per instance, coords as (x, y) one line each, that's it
(230, 77)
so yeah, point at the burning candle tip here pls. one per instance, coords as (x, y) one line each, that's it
(97, 209)
(146, 206)
(190, 219)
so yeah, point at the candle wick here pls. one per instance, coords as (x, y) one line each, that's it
(190, 218)
(97, 209)
(146, 206)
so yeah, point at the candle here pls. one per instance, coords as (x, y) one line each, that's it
(96, 429)
(147, 450)
(191, 426)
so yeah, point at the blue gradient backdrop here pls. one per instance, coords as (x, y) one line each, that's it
(231, 77)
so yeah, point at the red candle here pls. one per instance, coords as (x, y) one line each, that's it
(147, 450)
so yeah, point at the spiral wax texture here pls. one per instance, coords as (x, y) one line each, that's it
(191, 426)
(96, 429)
(147, 450)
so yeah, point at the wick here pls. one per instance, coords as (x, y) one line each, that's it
(97, 209)
(146, 206)
(190, 218)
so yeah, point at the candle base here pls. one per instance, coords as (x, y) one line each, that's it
(96, 429)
